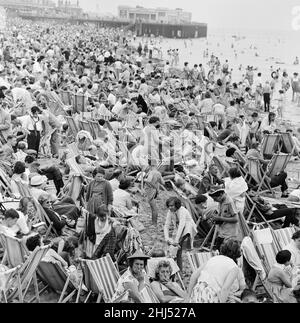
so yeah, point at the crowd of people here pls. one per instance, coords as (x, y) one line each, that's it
(158, 128)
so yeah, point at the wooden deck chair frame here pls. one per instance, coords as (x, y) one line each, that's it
(270, 145)
(287, 143)
(56, 278)
(102, 276)
(27, 274)
(72, 125)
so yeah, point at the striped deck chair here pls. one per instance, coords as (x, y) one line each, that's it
(267, 247)
(287, 144)
(72, 125)
(253, 258)
(284, 236)
(101, 276)
(56, 278)
(148, 296)
(15, 250)
(96, 130)
(270, 145)
(27, 274)
(256, 172)
(66, 97)
(278, 164)
(5, 183)
(198, 259)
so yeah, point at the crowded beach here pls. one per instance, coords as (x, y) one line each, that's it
(127, 176)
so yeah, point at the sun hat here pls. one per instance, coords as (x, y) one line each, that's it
(138, 255)
(38, 180)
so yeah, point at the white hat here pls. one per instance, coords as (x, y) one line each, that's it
(38, 180)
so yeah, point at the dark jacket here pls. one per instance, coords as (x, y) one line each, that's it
(58, 224)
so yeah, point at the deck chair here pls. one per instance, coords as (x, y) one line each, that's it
(270, 145)
(66, 97)
(79, 103)
(287, 144)
(101, 276)
(253, 258)
(15, 250)
(284, 236)
(27, 274)
(266, 246)
(223, 168)
(198, 259)
(72, 125)
(96, 129)
(9, 278)
(84, 125)
(5, 183)
(256, 172)
(148, 296)
(278, 164)
(56, 278)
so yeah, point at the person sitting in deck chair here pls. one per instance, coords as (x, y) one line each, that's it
(276, 180)
(210, 180)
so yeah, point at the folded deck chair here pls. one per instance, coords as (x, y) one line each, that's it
(101, 276)
(56, 278)
(148, 296)
(27, 274)
(198, 259)
(15, 250)
(270, 145)
(287, 144)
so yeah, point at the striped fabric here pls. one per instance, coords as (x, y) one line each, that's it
(278, 164)
(284, 236)
(148, 295)
(84, 125)
(27, 271)
(198, 259)
(105, 276)
(269, 144)
(15, 250)
(7, 281)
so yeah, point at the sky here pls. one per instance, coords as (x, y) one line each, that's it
(229, 14)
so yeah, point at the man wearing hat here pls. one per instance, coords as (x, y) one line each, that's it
(227, 217)
(134, 279)
(38, 184)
